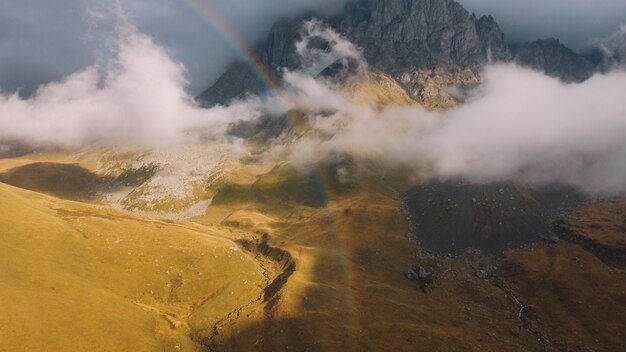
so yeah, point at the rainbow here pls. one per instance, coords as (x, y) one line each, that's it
(266, 81)
(203, 11)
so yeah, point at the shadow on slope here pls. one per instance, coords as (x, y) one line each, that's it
(449, 217)
(13, 149)
(66, 181)
(71, 181)
(349, 292)
(286, 186)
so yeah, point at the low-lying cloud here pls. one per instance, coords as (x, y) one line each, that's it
(613, 49)
(137, 96)
(521, 125)
(330, 48)
(518, 125)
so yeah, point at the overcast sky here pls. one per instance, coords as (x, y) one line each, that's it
(574, 22)
(43, 40)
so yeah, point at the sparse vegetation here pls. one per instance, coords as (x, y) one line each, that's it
(334, 267)
(136, 177)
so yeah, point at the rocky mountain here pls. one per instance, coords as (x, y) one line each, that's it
(425, 45)
(405, 36)
(418, 49)
(555, 59)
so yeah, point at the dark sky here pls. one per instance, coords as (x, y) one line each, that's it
(574, 22)
(43, 40)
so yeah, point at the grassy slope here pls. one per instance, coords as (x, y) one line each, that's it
(67, 181)
(347, 293)
(80, 277)
(571, 296)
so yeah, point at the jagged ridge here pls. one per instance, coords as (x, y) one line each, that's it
(399, 38)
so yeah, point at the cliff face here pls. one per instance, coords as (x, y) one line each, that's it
(555, 59)
(416, 42)
(401, 36)
(426, 46)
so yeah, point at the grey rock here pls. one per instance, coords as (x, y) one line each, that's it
(235, 83)
(401, 36)
(494, 42)
(482, 274)
(280, 47)
(411, 274)
(555, 59)
(238, 81)
(418, 273)
(551, 238)
(423, 273)
(397, 37)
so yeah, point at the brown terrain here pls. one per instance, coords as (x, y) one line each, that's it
(334, 258)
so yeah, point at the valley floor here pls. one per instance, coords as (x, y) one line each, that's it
(284, 260)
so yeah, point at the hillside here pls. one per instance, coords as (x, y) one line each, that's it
(274, 263)
(348, 210)
(106, 280)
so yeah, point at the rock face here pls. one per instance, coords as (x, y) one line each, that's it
(410, 41)
(555, 59)
(402, 36)
(234, 83)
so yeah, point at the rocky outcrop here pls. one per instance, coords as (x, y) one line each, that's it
(404, 36)
(555, 59)
(407, 40)
(439, 88)
(422, 276)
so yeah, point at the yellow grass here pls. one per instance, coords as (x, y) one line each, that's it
(77, 277)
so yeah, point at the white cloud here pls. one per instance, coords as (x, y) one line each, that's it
(613, 48)
(520, 125)
(138, 96)
(315, 60)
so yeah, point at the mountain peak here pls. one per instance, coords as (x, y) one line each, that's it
(422, 34)
(399, 38)
(555, 59)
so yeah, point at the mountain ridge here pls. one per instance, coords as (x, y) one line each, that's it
(446, 36)
(426, 46)
(555, 59)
